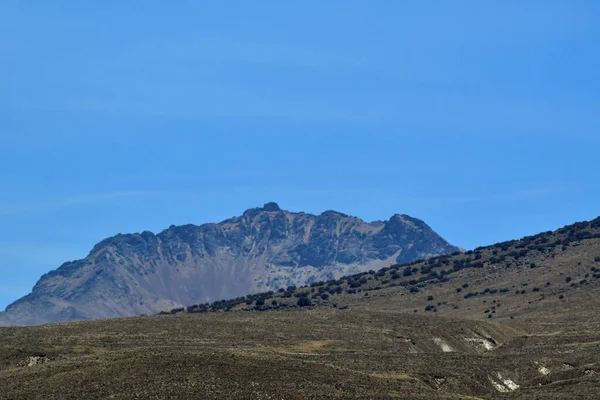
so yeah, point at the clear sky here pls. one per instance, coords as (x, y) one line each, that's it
(480, 117)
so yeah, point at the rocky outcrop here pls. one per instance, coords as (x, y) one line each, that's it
(264, 249)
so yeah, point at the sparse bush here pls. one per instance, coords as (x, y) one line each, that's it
(303, 301)
(191, 309)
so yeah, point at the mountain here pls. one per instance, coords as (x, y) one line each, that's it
(514, 320)
(264, 249)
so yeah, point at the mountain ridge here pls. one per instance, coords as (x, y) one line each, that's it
(265, 248)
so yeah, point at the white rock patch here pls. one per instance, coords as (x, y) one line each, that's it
(486, 344)
(544, 370)
(505, 385)
(443, 345)
(499, 387)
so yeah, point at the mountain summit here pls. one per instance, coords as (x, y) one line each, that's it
(263, 249)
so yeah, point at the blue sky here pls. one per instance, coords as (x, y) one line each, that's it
(481, 118)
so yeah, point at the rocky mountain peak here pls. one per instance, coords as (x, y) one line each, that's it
(263, 249)
(271, 207)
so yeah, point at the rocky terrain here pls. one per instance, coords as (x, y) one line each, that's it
(515, 320)
(264, 249)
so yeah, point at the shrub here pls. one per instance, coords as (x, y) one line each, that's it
(260, 302)
(429, 298)
(325, 296)
(303, 301)
(414, 289)
(568, 279)
(274, 303)
(192, 308)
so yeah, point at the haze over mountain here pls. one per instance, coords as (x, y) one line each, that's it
(263, 249)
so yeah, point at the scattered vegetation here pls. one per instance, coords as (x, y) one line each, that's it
(420, 274)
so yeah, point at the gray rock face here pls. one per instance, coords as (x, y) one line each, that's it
(264, 249)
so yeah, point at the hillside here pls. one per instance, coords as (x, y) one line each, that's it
(516, 320)
(509, 279)
(263, 249)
